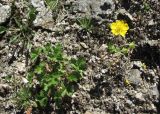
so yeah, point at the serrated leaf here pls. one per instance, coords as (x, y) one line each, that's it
(47, 48)
(34, 56)
(113, 49)
(74, 76)
(132, 45)
(125, 50)
(58, 52)
(35, 53)
(61, 92)
(41, 98)
(78, 64)
(40, 68)
(43, 102)
(53, 82)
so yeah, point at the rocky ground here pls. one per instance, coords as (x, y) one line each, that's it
(112, 83)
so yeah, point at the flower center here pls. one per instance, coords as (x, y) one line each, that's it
(118, 29)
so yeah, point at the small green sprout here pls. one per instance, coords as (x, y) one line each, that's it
(112, 48)
(132, 45)
(85, 23)
(146, 7)
(2, 29)
(52, 4)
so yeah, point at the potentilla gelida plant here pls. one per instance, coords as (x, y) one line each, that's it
(51, 78)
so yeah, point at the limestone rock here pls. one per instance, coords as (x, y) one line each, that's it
(95, 7)
(5, 12)
(134, 77)
(44, 17)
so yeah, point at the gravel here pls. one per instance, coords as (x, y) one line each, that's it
(103, 88)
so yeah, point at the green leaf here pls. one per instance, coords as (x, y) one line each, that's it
(42, 98)
(52, 80)
(57, 74)
(113, 49)
(34, 56)
(47, 49)
(52, 83)
(58, 52)
(30, 76)
(40, 68)
(61, 92)
(31, 14)
(132, 45)
(125, 50)
(52, 4)
(14, 39)
(18, 23)
(2, 29)
(29, 45)
(35, 53)
(85, 23)
(43, 102)
(53, 53)
(74, 76)
(78, 64)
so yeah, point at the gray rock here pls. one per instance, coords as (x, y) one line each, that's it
(4, 88)
(104, 71)
(7, 1)
(20, 66)
(103, 47)
(95, 112)
(129, 102)
(83, 45)
(154, 92)
(95, 7)
(137, 64)
(151, 22)
(5, 13)
(124, 12)
(38, 3)
(134, 77)
(139, 96)
(44, 17)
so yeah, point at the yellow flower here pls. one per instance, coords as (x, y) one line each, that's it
(144, 66)
(126, 82)
(119, 28)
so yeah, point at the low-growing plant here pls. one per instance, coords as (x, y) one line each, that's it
(112, 48)
(22, 30)
(52, 4)
(85, 23)
(146, 6)
(51, 77)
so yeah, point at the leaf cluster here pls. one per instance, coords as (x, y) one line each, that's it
(52, 76)
(112, 48)
(85, 23)
(22, 27)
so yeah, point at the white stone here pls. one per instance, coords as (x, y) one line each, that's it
(5, 13)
